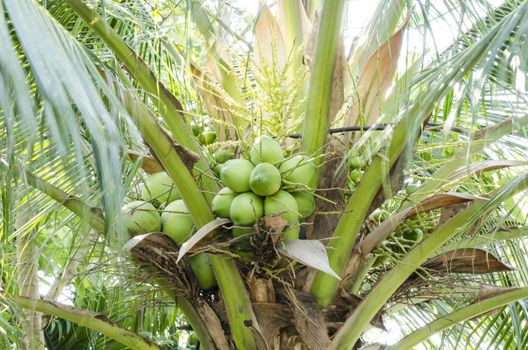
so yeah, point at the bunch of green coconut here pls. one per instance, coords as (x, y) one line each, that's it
(266, 184)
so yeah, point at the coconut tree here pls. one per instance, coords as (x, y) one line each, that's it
(176, 174)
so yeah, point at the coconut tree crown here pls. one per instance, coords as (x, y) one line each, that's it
(171, 179)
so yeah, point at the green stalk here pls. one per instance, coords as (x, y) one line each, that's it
(458, 316)
(240, 318)
(87, 319)
(161, 144)
(354, 326)
(170, 108)
(315, 128)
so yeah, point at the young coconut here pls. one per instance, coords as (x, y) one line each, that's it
(355, 162)
(196, 128)
(305, 203)
(177, 222)
(159, 188)
(202, 269)
(265, 149)
(207, 137)
(217, 169)
(298, 170)
(284, 204)
(235, 174)
(293, 230)
(141, 217)
(246, 208)
(265, 179)
(355, 175)
(222, 155)
(222, 202)
(413, 235)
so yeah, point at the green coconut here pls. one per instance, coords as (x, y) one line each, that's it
(298, 170)
(265, 179)
(292, 231)
(284, 204)
(177, 222)
(222, 155)
(159, 188)
(141, 217)
(413, 235)
(355, 175)
(265, 149)
(235, 174)
(355, 162)
(196, 128)
(246, 208)
(217, 169)
(207, 137)
(305, 203)
(202, 269)
(281, 202)
(222, 202)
